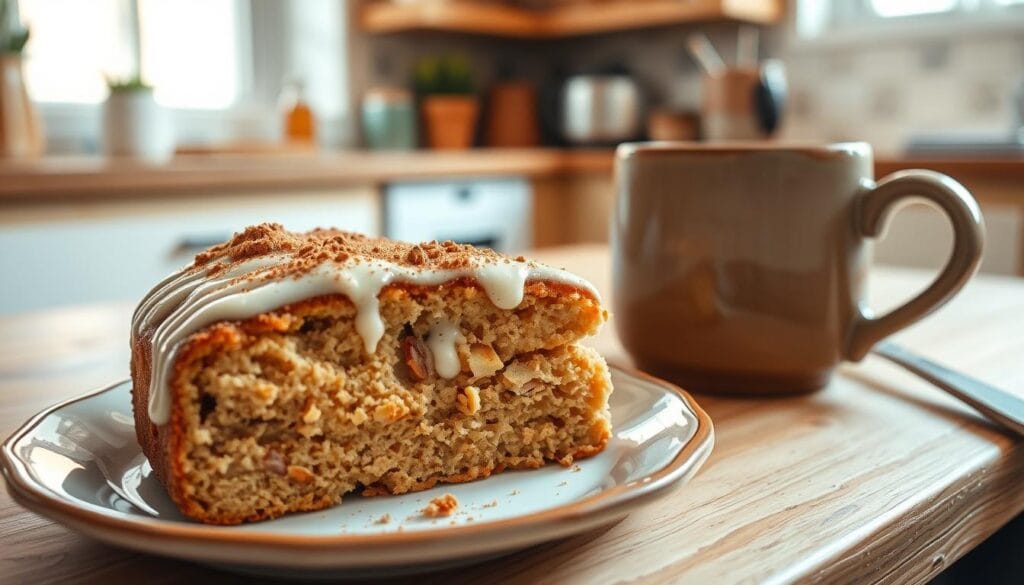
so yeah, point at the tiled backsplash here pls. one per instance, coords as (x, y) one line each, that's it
(882, 93)
(886, 94)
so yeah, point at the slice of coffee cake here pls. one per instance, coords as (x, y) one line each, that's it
(282, 370)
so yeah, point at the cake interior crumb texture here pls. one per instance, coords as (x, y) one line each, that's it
(286, 411)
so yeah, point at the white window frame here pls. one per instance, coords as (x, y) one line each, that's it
(858, 23)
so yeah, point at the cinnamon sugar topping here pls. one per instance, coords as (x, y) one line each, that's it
(305, 251)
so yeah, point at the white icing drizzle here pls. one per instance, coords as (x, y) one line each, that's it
(442, 341)
(191, 299)
(503, 282)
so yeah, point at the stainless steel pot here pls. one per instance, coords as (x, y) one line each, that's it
(600, 109)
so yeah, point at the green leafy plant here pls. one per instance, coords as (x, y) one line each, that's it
(444, 75)
(127, 84)
(13, 36)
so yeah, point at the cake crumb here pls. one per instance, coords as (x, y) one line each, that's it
(514, 493)
(384, 519)
(441, 506)
(491, 504)
(563, 483)
(576, 469)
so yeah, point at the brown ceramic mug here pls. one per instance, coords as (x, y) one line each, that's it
(741, 268)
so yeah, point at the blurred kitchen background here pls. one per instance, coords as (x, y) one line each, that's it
(134, 133)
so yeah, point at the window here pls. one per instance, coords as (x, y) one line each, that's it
(190, 51)
(821, 18)
(892, 8)
(217, 65)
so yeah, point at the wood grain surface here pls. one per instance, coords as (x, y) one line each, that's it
(92, 178)
(878, 478)
(567, 19)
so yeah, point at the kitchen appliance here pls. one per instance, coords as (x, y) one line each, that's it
(493, 213)
(601, 109)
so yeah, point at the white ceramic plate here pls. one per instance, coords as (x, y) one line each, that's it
(78, 463)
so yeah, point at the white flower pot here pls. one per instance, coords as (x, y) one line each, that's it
(134, 125)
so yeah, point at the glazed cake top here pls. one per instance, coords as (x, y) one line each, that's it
(310, 249)
(265, 267)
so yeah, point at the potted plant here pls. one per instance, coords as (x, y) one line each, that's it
(447, 104)
(21, 134)
(134, 125)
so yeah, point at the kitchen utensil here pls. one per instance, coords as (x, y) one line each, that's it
(705, 54)
(728, 107)
(998, 405)
(601, 109)
(770, 96)
(741, 268)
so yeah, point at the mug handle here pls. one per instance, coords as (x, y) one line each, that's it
(871, 209)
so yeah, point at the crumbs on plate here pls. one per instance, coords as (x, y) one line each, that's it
(441, 506)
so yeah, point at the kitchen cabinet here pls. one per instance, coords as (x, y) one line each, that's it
(106, 251)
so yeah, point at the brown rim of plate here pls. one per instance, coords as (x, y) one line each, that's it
(41, 500)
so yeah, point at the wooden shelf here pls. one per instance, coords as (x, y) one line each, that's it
(384, 16)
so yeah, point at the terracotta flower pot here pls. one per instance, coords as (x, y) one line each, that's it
(450, 120)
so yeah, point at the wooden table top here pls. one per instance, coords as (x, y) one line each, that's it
(879, 477)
